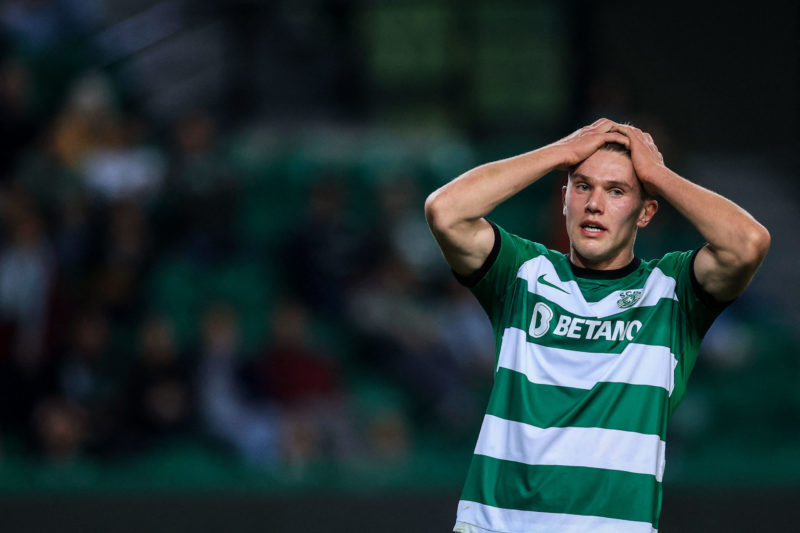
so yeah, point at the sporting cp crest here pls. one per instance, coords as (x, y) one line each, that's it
(628, 298)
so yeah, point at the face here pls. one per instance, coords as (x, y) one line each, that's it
(604, 207)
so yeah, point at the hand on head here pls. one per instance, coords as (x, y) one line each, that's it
(582, 143)
(645, 156)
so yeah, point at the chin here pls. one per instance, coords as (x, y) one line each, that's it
(591, 254)
(593, 260)
(590, 251)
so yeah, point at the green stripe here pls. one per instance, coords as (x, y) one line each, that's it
(563, 489)
(560, 265)
(639, 408)
(657, 323)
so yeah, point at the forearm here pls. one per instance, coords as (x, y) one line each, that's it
(476, 193)
(736, 239)
(455, 211)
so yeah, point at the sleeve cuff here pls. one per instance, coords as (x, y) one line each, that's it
(700, 292)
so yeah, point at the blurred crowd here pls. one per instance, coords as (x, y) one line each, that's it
(163, 281)
(363, 336)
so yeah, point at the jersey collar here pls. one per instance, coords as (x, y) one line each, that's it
(617, 273)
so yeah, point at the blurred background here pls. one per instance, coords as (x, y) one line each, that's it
(221, 308)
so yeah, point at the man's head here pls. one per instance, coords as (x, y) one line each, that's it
(605, 204)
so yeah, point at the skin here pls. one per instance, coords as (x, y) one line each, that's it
(737, 243)
(724, 267)
(603, 190)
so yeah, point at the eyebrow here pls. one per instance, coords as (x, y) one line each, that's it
(608, 183)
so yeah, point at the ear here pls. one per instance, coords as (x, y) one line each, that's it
(564, 199)
(648, 211)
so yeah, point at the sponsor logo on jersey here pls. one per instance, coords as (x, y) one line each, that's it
(540, 322)
(545, 282)
(581, 328)
(628, 298)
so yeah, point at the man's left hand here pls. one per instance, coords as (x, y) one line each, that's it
(647, 160)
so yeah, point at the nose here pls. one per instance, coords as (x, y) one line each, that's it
(594, 204)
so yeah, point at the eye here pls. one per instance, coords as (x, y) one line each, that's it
(616, 192)
(582, 187)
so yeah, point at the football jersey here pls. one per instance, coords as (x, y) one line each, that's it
(589, 367)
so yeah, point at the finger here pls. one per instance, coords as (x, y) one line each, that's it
(647, 139)
(618, 138)
(652, 145)
(603, 124)
(629, 131)
(621, 128)
(634, 129)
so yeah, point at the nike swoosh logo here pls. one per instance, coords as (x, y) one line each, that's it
(545, 282)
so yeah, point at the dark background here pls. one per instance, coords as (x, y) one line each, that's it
(220, 309)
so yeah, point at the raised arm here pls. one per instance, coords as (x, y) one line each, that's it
(455, 211)
(737, 243)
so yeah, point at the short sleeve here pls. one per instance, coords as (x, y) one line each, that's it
(697, 311)
(491, 282)
(701, 308)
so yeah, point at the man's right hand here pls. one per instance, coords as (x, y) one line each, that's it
(579, 145)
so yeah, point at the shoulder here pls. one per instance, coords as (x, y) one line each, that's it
(509, 253)
(515, 252)
(672, 264)
(520, 245)
(679, 266)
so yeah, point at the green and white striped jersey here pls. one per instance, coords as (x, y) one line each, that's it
(590, 366)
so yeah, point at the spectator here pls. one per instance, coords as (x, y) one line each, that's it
(160, 397)
(253, 429)
(46, 177)
(123, 262)
(324, 254)
(27, 273)
(464, 331)
(123, 166)
(86, 121)
(402, 339)
(59, 430)
(18, 123)
(305, 383)
(85, 378)
(203, 187)
(401, 229)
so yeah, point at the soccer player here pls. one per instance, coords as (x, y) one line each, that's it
(594, 347)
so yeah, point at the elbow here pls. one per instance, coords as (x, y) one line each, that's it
(436, 211)
(763, 242)
(447, 211)
(755, 245)
(431, 206)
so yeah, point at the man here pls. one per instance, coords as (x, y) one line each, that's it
(594, 348)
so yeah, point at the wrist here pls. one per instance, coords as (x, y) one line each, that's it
(556, 157)
(656, 179)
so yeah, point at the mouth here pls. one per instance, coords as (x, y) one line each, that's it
(592, 228)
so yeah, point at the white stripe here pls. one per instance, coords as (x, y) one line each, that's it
(638, 364)
(657, 286)
(610, 449)
(478, 518)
